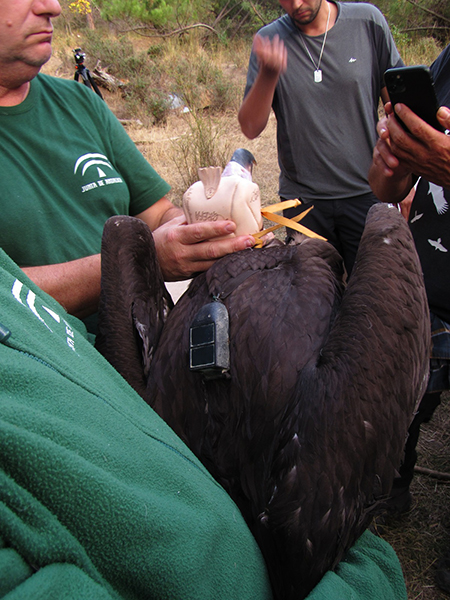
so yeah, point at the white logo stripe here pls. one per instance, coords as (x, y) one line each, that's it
(95, 162)
(16, 289)
(31, 298)
(86, 157)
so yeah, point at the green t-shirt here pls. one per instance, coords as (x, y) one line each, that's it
(66, 166)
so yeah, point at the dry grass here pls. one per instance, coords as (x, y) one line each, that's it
(159, 146)
(422, 535)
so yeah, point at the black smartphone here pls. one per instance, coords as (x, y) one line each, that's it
(413, 86)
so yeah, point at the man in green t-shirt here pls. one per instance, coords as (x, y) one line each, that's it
(67, 165)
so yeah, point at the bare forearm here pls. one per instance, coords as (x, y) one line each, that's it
(390, 180)
(272, 63)
(389, 187)
(256, 106)
(74, 284)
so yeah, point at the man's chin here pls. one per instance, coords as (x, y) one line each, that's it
(39, 57)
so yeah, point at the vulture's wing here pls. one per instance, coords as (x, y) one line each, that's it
(353, 405)
(134, 302)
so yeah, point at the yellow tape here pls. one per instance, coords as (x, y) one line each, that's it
(281, 206)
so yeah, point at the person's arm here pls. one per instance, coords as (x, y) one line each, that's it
(183, 250)
(399, 157)
(389, 181)
(257, 104)
(74, 284)
(384, 95)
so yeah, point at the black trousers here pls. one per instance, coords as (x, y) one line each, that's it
(427, 406)
(341, 222)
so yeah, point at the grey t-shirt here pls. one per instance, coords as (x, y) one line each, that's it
(326, 131)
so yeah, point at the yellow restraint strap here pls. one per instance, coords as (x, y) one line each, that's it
(268, 213)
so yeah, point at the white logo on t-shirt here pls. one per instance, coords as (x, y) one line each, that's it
(96, 160)
(27, 298)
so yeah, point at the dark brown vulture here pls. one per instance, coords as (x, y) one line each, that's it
(306, 425)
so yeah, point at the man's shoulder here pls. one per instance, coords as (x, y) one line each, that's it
(281, 26)
(69, 93)
(55, 82)
(62, 87)
(360, 10)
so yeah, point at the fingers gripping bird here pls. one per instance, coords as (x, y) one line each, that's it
(307, 425)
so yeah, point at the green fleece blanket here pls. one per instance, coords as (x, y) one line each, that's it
(100, 499)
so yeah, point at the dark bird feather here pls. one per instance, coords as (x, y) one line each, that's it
(308, 428)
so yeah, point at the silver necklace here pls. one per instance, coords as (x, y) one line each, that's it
(318, 70)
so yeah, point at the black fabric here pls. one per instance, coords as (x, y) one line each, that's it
(440, 70)
(341, 222)
(429, 221)
(430, 215)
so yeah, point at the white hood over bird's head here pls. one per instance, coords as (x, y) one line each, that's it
(226, 195)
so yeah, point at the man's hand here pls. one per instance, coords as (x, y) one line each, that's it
(256, 106)
(424, 152)
(271, 54)
(400, 157)
(184, 250)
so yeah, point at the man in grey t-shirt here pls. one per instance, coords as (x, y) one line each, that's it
(320, 67)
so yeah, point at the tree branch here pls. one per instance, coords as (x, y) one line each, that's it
(264, 22)
(431, 473)
(427, 10)
(430, 28)
(156, 33)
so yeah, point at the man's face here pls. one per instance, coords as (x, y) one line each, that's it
(303, 12)
(26, 31)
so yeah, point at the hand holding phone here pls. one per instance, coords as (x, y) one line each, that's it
(413, 86)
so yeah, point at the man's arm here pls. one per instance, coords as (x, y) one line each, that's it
(389, 181)
(257, 104)
(398, 156)
(74, 284)
(384, 95)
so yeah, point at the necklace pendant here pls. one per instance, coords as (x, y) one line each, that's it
(317, 75)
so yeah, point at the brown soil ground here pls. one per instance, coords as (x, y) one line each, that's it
(422, 535)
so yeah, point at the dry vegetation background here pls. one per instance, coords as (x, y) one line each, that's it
(423, 534)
